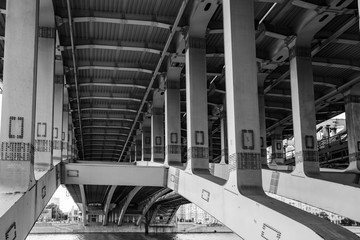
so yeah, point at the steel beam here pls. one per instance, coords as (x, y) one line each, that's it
(112, 85)
(109, 109)
(115, 48)
(73, 55)
(107, 119)
(162, 57)
(111, 98)
(149, 202)
(126, 203)
(107, 204)
(128, 69)
(105, 127)
(121, 21)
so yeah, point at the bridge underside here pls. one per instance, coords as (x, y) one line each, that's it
(140, 106)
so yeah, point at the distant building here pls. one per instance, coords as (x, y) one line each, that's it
(192, 213)
(74, 215)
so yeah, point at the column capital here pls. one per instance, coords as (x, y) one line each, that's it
(170, 84)
(303, 52)
(194, 42)
(351, 98)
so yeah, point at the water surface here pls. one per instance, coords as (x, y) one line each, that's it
(135, 236)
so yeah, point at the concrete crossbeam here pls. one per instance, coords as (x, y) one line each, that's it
(116, 174)
(334, 197)
(268, 216)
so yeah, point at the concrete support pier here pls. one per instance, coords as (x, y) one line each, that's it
(303, 107)
(352, 111)
(45, 89)
(196, 104)
(146, 139)
(277, 146)
(18, 101)
(157, 126)
(172, 114)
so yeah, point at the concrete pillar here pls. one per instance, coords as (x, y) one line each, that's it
(157, 126)
(211, 157)
(242, 95)
(352, 111)
(138, 146)
(58, 116)
(223, 136)
(173, 114)
(73, 144)
(210, 127)
(196, 105)
(277, 147)
(146, 140)
(65, 128)
(70, 140)
(19, 95)
(132, 153)
(45, 88)
(261, 98)
(303, 108)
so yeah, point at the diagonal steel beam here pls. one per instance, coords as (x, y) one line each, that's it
(121, 21)
(107, 203)
(163, 55)
(75, 69)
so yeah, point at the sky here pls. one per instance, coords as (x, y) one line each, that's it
(66, 201)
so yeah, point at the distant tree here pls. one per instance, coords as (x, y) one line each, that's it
(324, 215)
(347, 222)
(57, 214)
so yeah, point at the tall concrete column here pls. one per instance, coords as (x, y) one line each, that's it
(277, 147)
(157, 126)
(58, 116)
(132, 153)
(73, 144)
(223, 136)
(303, 108)
(352, 111)
(138, 146)
(242, 95)
(261, 98)
(172, 114)
(45, 88)
(146, 140)
(19, 95)
(211, 156)
(65, 127)
(196, 105)
(70, 139)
